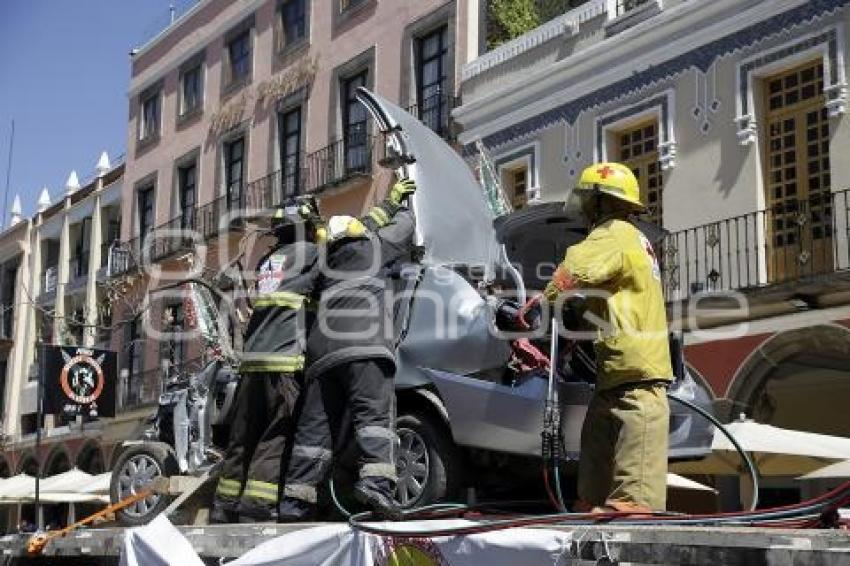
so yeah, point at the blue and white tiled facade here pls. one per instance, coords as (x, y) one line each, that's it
(694, 65)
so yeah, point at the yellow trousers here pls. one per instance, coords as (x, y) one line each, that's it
(624, 448)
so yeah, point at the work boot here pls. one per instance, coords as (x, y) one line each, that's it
(377, 494)
(223, 513)
(250, 513)
(291, 510)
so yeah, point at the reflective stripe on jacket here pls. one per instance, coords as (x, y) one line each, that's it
(255, 363)
(284, 299)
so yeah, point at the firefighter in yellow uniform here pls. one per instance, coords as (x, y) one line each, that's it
(624, 439)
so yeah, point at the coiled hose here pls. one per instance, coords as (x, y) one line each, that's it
(806, 513)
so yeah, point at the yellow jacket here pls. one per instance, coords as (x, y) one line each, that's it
(616, 268)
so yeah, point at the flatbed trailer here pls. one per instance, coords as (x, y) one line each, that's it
(604, 544)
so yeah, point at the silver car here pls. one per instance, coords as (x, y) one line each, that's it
(464, 408)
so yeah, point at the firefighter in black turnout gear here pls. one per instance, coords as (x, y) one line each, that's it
(351, 360)
(271, 375)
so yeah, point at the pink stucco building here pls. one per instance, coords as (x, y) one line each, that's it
(240, 104)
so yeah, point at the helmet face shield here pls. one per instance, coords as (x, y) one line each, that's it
(580, 204)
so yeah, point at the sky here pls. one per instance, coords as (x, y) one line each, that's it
(64, 76)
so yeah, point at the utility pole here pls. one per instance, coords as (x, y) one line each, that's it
(8, 173)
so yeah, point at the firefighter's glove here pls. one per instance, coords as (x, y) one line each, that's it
(402, 190)
(340, 227)
(308, 210)
(528, 317)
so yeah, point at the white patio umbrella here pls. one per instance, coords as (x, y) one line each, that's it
(99, 484)
(775, 451)
(675, 481)
(839, 470)
(67, 487)
(16, 488)
(69, 481)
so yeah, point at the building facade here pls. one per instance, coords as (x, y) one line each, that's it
(732, 116)
(237, 107)
(54, 289)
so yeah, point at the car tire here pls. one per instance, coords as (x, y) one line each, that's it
(135, 469)
(427, 461)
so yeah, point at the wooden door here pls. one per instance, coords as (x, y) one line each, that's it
(799, 216)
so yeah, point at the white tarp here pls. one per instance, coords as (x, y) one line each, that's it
(158, 543)
(161, 544)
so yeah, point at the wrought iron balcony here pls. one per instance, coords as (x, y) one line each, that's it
(330, 166)
(435, 111)
(796, 241)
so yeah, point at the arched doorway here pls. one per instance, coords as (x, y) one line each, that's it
(798, 379)
(57, 462)
(56, 515)
(90, 459)
(28, 465)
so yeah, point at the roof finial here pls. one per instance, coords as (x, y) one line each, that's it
(15, 213)
(72, 185)
(102, 164)
(43, 200)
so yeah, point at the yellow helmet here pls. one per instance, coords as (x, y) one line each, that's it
(613, 179)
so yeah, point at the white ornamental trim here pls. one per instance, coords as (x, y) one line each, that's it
(565, 25)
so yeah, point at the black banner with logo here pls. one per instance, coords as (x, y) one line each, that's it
(79, 381)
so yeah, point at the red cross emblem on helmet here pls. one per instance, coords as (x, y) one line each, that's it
(605, 172)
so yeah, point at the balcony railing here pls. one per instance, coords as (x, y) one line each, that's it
(51, 278)
(795, 241)
(79, 266)
(435, 111)
(330, 166)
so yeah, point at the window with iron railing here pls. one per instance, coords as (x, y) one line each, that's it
(289, 126)
(234, 164)
(146, 211)
(354, 124)
(191, 90)
(798, 181)
(113, 234)
(187, 193)
(7, 319)
(150, 116)
(432, 51)
(51, 276)
(637, 147)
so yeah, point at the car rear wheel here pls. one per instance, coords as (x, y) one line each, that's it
(426, 462)
(136, 468)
